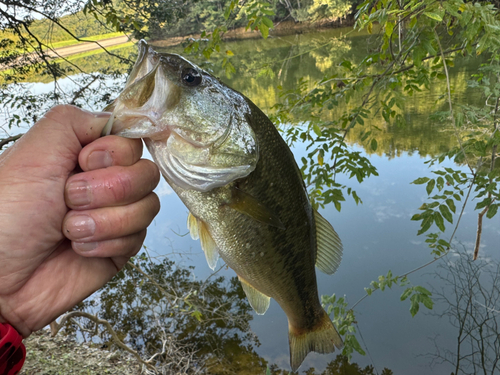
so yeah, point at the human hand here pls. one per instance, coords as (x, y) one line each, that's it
(63, 234)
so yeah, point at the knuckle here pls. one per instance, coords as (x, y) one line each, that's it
(154, 203)
(135, 149)
(121, 186)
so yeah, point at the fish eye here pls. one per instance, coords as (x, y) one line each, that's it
(191, 77)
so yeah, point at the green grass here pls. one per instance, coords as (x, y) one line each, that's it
(83, 54)
(95, 52)
(66, 43)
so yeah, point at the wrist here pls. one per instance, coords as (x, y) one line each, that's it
(13, 321)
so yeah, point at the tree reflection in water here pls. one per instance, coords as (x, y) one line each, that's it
(470, 299)
(181, 325)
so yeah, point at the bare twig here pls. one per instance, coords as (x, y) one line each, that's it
(7, 140)
(108, 327)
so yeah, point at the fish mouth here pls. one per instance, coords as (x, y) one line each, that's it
(196, 138)
(148, 93)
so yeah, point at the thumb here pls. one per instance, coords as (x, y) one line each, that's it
(52, 145)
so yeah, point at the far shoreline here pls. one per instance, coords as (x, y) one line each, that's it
(280, 29)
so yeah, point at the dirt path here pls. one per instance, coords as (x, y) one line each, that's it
(87, 46)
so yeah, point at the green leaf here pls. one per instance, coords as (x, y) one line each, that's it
(430, 186)
(483, 203)
(422, 290)
(426, 224)
(406, 293)
(451, 204)
(446, 213)
(492, 211)
(421, 180)
(428, 302)
(434, 16)
(264, 30)
(356, 346)
(373, 144)
(443, 243)
(414, 307)
(389, 27)
(438, 219)
(266, 21)
(317, 130)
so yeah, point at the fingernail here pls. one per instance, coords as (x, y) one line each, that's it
(79, 193)
(99, 159)
(80, 226)
(101, 114)
(84, 246)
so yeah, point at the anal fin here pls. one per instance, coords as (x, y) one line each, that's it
(329, 247)
(198, 229)
(259, 301)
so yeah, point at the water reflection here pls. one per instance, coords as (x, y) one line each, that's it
(187, 326)
(265, 65)
(470, 296)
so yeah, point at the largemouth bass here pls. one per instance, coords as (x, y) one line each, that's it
(247, 200)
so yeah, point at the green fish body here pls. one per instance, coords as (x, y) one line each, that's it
(248, 204)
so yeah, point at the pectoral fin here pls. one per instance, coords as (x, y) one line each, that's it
(198, 229)
(248, 205)
(329, 247)
(259, 301)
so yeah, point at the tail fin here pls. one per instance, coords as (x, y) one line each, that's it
(322, 338)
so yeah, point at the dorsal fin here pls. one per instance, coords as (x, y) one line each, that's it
(329, 246)
(248, 205)
(198, 229)
(259, 301)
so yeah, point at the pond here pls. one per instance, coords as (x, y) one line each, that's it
(377, 235)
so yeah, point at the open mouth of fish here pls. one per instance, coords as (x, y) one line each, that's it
(191, 150)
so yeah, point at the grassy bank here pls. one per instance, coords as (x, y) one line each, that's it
(72, 42)
(62, 355)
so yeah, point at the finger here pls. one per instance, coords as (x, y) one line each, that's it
(110, 222)
(120, 248)
(113, 186)
(56, 140)
(109, 151)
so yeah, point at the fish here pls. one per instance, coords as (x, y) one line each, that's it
(246, 197)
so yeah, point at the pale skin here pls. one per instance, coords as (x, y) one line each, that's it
(66, 231)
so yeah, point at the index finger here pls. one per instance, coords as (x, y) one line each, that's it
(56, 140)
(110, 151)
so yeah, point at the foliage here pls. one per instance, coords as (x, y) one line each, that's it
(329, 9)
(344, 321)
